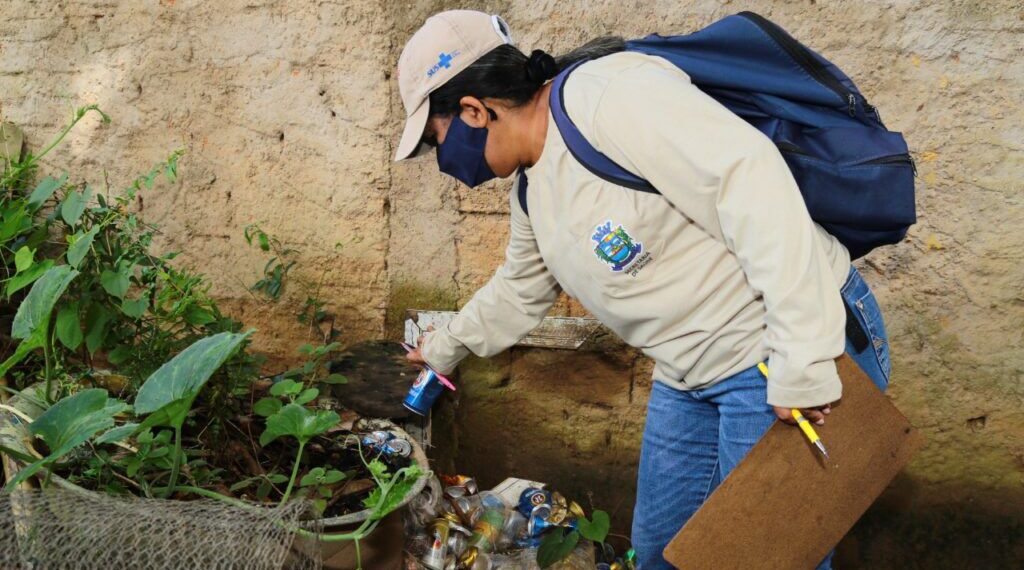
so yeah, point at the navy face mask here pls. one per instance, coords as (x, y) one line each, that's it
(462, 154)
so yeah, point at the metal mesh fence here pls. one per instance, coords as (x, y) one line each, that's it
(58, 529)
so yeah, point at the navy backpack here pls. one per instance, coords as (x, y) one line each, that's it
(856, 177)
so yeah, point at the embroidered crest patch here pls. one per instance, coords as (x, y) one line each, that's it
(615, 246)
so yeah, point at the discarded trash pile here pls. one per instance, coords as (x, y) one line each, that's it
(517, 525)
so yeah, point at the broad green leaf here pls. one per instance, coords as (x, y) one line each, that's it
(168, 393)
(267, 406)
(26, 278)
(119, 354)
(556, 546)
(44, 190)
(264, 241)
(333, 476)
(74, 204)
(14, 220)
(69, 327)
(285, 387)
(135, 308)
(298, 422)
(596, 529)
(277, 478)
(23, 258)
(96, 320)
(307, 396)
(20, 353)
(117, 434)
(242, 484)
(70, 423)
(198, 316)
(158, 453)
(335, 379)
(80, 246)
(312, 478)
(114, 283)
(34, 312)
(263, 490)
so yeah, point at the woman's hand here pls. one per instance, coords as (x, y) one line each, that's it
(814, 415)
(415, 355)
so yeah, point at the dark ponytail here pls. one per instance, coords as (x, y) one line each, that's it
(507, 73)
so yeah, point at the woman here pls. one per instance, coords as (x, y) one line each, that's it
(721, 271)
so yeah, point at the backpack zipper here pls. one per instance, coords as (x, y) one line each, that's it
(895, 159)
(791, 148)
(804, 59)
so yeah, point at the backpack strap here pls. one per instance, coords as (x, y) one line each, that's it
(523, 184)
(581, 149)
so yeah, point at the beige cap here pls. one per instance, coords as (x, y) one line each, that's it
(447, 43)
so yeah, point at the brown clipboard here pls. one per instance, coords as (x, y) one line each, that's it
(784, 506)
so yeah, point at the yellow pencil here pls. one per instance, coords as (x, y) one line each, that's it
(805, 425)
(812, 435)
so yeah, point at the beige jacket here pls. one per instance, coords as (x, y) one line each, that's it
(724, 269)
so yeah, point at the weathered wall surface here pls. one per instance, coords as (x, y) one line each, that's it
(281, 107)
(289, 115)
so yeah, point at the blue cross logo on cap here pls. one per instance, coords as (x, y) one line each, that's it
(444, 60)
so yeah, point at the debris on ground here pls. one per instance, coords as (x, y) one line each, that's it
(519, 524)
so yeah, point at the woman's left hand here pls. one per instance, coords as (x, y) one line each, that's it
(814, 415)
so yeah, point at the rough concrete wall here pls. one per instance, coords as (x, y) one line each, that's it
(289, 114)
(282, 108)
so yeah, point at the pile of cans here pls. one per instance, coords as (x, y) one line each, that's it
(387, 443)
(473, 526)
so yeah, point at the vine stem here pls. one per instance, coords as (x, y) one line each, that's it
(368, 526)
(49, 372)
(176, 466)
(67, 129)
(295, 472)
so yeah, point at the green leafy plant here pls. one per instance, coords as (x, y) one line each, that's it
(319, 483)
(391, 487)
(294, 420)
(314, 366)
(68, 424)
(32, 321)
(264, 484)
(559, 543)
(595, 529)
(153, 455)
(556, 546)
(79, 250)
(168, 394)
(129, 306)
(275, 272)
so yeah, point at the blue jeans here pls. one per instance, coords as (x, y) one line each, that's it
(693, 439)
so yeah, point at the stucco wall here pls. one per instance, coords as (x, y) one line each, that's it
(289, 115)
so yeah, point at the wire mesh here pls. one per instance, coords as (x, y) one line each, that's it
(58, 529)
